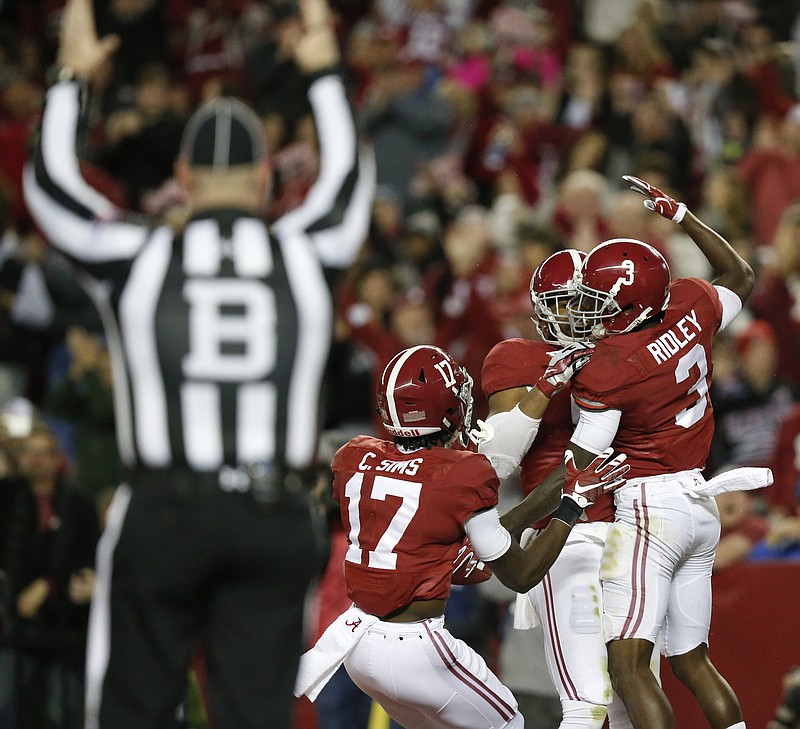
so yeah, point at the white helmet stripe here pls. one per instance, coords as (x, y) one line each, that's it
(393, 380)
(626, 240)
(576, 259)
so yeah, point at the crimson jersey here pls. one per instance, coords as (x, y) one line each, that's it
(519, 363)
(659, 379)
(404, 514)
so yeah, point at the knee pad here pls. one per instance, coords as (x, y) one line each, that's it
(582, 715)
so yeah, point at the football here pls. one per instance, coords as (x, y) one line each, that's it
(468, 569)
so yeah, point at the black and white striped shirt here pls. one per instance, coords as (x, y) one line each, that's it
(218, 335)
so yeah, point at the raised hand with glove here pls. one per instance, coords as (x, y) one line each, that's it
(657, 201)
(734, 272)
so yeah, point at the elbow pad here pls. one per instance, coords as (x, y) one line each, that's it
(490, 539)
(508, 437)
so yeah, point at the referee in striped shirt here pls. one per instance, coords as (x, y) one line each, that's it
(219, 336)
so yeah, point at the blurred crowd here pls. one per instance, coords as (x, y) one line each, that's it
(501, 129)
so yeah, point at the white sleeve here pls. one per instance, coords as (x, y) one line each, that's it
(77, 219)
(510, 435)
(596, 429)
(336, 211)
(489, 537)
(731, 305)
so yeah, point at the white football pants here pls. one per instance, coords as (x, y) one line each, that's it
(656, 568)
(426, 679)
(569, 603)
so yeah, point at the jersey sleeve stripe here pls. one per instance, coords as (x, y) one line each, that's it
(590, 404)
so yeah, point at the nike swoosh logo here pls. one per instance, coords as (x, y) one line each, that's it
(583, 489)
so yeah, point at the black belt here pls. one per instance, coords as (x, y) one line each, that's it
(263, 484)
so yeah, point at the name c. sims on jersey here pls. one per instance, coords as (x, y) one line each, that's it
(407, 468)
(675, 339)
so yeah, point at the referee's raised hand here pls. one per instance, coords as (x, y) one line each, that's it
(80, 50)
(317, 48)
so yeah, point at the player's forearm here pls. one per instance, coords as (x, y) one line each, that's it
(542, 501)
(534, 403)
(543, 551)
(521, 569)
(734, 272)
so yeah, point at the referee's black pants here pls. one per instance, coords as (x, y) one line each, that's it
(178, 565)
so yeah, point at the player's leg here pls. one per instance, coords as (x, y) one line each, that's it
(142, 625)
(713, 693)
(646, 703)
(254, 618)
(688, 620)
(569, 603)
(617, 713)
(642, 548)
(423, 677)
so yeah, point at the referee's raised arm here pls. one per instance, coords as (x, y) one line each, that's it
(335, 212)
(62, 203)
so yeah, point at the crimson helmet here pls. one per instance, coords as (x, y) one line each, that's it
(622, 283)
(552, 286)
(423, 390)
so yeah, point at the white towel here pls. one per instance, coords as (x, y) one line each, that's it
(318, 664)
(737, 479)
(526, 611)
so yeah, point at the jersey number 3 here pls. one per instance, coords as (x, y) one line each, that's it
(695, 357)
(381, 555)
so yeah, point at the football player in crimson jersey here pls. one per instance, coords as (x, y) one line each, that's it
(646, 391)
(568, 600)
(407, 506)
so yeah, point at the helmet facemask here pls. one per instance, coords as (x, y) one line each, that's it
(551, 317)
(595, 314)
(464, 393)
(588, 310)
(551, 288)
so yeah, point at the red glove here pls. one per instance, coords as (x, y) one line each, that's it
(603, 474)
(564, 363)
(659, 201)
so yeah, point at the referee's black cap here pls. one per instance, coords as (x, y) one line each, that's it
(223, 133)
